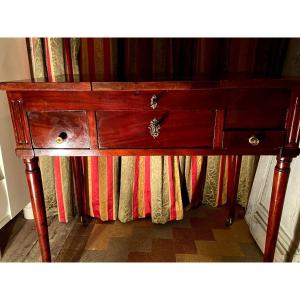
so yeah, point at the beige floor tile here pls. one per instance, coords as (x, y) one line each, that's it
(193, 258)
(217, 249)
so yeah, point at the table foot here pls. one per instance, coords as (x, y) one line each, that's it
(84, 220)
(80, 187)
(229, 222)
(280, 181)
(233, 175)
(34, 181)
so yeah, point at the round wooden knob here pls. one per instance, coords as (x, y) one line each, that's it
(61, 138)
(253, 140)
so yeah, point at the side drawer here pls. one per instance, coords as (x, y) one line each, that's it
(177, 129)
(250, 139)
(258, 118)
(59, 129)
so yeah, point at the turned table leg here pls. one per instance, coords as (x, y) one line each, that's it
(280, 181)
(34, 181)
(233, 175)
(79, 181)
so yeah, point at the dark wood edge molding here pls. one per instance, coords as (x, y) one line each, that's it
(188, 85)
(29, 153)
(45, 86)
(152, 152)
(162, 85)
(25, 153)
(261, 83)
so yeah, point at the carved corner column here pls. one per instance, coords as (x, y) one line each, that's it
(34, 181)
(280, 181)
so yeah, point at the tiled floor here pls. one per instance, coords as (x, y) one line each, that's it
(200, 237)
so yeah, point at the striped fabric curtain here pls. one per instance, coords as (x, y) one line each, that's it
(55, 60)
(129, 188)
(148, 185)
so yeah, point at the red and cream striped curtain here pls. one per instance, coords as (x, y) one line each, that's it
(129, 188)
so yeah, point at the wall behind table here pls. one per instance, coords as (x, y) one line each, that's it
(14, 196)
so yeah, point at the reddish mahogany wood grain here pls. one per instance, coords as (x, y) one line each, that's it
(239, 83)
(256, 118)
(270, 139)
(218, 129)
(45, 127)
(293, 120)
(45, 86)
(91, 120)
(19, 121)
(34, 181)
(153, 152)
(259, 83)
(220, 99)
(177, 129)
(280, 181)
(170, 85)
(234, 167)
(161, 85)
(222, 165)
(24, 153)
(196, 118)
(77, 168)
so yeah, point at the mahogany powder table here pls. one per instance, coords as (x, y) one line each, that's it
(242, 117)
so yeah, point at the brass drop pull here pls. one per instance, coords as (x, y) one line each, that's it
(154, 101)
(253, 140)
(154, 128)
(61, 138)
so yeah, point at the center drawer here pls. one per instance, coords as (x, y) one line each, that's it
(119, 129)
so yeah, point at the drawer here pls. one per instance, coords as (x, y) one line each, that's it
(250, 139)
(59, 129)
(251, 99)
(198, 99)
(155, 100)
(256, 118)
(177, 129)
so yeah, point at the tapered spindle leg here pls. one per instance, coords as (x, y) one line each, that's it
(34, 181)
(233, 175)
(280, 181)
(77, 167)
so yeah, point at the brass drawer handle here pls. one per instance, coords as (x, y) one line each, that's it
(154, 128)
(154, 101)
(254, 141)
(61, 138)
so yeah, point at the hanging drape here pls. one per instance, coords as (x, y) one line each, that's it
(135, 187)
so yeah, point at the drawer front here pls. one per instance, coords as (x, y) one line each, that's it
(177, 129)
(155, 100)
(181, 100)
(67, 129)
(250, 139)
(256, 119)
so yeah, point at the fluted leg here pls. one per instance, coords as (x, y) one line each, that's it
(280, 180)
(234, 167)
(79, 181)
(34, 181)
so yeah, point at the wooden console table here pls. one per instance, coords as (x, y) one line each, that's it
(242, 117)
